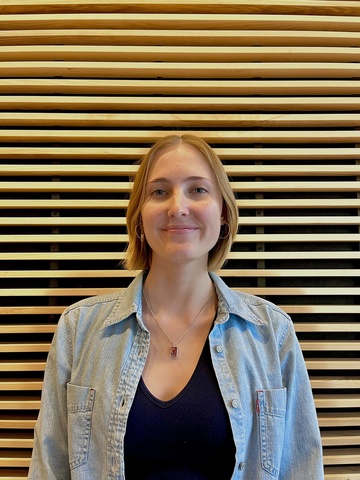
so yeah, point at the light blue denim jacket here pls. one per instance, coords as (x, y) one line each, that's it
(97, 358)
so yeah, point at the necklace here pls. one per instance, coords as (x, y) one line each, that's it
(174, 350)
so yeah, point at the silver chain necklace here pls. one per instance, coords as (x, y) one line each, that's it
(174, 349)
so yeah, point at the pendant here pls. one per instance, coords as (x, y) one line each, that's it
(173, 351)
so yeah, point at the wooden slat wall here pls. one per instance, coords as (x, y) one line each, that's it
(86, 86)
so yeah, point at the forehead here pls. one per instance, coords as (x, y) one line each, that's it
(180, 160)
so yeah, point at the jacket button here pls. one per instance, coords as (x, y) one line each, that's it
(218, 348)
(241, 465)
(235, 403)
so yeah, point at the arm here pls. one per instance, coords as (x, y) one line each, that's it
(302, 452)
(50, 454)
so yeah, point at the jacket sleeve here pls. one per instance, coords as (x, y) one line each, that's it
(302, 451)
(50, 458)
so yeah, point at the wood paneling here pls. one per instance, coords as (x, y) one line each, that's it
(85, 88)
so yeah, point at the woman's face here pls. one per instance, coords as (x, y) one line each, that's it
(182, 213)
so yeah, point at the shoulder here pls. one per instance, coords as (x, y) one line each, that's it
(261, 308)
(89, 315)
(248, 307)
(108, 308)
(96, 302)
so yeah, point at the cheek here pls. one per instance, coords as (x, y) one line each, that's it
(212, 223)
(214, 215)
(150, 219)
(147, 212)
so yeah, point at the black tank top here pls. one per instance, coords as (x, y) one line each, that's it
(186, 438)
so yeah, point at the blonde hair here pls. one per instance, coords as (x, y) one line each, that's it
(138, 253)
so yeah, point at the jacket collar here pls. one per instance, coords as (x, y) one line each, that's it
(237, 303)
(229, 302)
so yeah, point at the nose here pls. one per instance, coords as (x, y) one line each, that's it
(178, 205)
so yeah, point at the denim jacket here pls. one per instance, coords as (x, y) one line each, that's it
(97, 358)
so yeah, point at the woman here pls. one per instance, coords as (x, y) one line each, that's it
(179, 377)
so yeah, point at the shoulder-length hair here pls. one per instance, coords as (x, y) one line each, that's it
(138, 253)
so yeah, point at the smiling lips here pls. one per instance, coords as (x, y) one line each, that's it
(180, 228)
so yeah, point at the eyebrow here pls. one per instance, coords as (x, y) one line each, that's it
(188, 179)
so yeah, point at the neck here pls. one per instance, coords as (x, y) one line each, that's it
(178, 289)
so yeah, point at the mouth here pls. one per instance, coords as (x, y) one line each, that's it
(180, 228)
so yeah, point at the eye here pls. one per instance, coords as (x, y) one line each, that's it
(200, 190)
(158, 192)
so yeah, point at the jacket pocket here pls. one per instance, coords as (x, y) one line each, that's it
(271, 410)
(80, 403)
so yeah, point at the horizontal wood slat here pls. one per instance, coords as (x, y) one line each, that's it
(230, 103)
(332, 438)
(13, 458)
(30, 292)
(144, 70)
(343, 327)
(169, 120)
(299, 327)
(321, 87)
(22, 366)
(240, 170)
(335, 419)
(186, 54)
(337, 456)
(119, 255)
(322, 363)
(336, 364)
(120, 221)
(117, 187)
(342, 473)
(19, 403)
(318, 383)
(306, 7)
(181, 21)
(179, 37)
(321, 401)
(224, 273)
(61, 238)
(22, 422)
(306, 346)
(268, 137)
(337, 400)
(122, 204)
